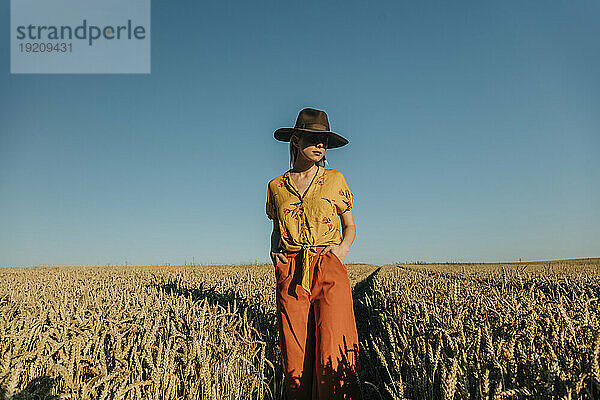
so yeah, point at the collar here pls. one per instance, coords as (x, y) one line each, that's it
(288, 179)
(320, 171)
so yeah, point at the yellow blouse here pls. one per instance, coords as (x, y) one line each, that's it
(310, 220)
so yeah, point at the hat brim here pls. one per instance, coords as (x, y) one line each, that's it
(334, 141)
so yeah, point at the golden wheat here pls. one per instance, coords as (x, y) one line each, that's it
(470, 331)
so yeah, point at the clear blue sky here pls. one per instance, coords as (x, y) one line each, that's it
(474, 134)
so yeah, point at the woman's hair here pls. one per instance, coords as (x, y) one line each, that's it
(294, 153)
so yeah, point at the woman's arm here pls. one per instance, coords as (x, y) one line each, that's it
(348, 231)
(348, 235)
(275, 238)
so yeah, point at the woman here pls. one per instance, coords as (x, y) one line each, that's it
(315, 316)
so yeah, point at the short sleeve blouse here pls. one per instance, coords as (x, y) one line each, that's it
(309, 220)
(313, 218)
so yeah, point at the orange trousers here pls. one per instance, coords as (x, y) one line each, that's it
(317, 332)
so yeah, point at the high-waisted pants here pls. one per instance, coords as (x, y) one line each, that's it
(317, 332)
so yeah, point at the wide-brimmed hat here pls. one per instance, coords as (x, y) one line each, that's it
(314, 121)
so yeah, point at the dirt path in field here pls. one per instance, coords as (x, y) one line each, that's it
(359, 272)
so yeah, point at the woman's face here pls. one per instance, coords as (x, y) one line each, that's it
(312, 146)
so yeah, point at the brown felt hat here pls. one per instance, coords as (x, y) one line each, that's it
(314, 121)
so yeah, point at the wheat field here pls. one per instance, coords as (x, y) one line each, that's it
(433, 331)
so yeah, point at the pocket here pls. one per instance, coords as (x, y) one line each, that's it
(338, 259)
(282, 271)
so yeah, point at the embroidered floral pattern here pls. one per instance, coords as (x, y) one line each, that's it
(296, 212)
(331, 203)
(327, 220)
(321, 180)
(346, 194)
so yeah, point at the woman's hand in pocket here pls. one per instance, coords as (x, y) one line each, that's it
(278, 256)
(338, 251)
